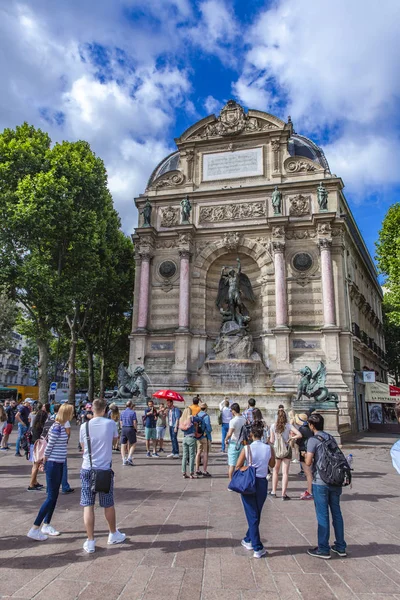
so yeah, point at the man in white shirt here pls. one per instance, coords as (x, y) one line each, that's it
(235, 438)
(103, 434)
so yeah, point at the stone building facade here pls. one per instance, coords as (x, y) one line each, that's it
(263, 193)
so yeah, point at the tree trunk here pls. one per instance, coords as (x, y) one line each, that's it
(71, 366)
(102, 375)
(90, 371)
(42, 370)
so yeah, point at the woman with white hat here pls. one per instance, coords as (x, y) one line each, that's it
(302, 424)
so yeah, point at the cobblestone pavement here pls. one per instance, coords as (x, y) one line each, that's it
(184, 537)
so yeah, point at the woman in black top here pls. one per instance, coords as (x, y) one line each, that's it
(36, 432)
(302, 425)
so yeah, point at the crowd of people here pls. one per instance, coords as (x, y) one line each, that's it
(246, 439)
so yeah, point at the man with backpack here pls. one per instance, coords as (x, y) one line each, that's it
(202, 433)
(330, 473)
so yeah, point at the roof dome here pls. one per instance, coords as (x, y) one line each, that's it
(169, 163)
(299, 145)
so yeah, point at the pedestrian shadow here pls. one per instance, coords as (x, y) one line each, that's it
(353, 496)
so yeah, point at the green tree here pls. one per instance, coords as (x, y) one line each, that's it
(8, 317)
(388, 257)
(27, 236)
(392, 341)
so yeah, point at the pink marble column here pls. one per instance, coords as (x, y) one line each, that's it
(280, 284)
(144, 290)
(184, 290)
(328, 292)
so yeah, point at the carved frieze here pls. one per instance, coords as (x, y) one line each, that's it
(166, 244)
(299, 205)
(301, 234)
(324, 229)
(232, 212)
(278, 232)
(169, 216)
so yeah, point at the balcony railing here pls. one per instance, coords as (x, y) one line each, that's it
(356, 330)
(15, 351)
(11, 367)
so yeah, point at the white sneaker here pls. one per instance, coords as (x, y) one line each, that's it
(89, 546)
(175, 456)
(49, 530)
(170, 455)
(295, 461)
(129, 462)
(260, 553)
(36, 534)
(116, 538)
(246, 545)
(124, 462)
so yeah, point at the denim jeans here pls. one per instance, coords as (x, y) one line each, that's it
(253, 505)
(188, 449)
(224, 431)
(64, 482)
(22, 429)
(54, 473)
(174, 440)
(328, 497)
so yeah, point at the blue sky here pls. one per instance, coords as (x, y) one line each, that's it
(130, 75)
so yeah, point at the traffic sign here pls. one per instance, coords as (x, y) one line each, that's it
(53, 386)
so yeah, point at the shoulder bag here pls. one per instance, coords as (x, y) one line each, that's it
(101, 479)
(244, 479)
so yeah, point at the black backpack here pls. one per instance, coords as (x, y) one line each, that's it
(331, 463)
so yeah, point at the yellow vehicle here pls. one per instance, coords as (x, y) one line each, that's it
(26, 391)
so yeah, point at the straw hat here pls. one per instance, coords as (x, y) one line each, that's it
(301, 419)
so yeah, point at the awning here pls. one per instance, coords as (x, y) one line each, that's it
(394, 391)
(379, 392)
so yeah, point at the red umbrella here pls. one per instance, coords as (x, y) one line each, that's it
(169, 395)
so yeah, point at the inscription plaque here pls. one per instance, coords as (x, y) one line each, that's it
(233, 165)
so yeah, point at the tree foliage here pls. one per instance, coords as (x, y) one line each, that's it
(8, 316)
(61, 250)
(388, 257)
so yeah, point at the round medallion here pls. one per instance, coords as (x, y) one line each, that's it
(167, 269)
(302, 261)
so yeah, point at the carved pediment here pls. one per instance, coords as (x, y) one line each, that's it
(232, 120)
(169, 179)
(297, 164)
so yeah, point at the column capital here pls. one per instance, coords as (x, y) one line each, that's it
(278, 247)
(184, 253)
(325, 243)
(145, 254)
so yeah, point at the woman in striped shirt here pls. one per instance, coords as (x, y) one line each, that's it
(54, 459)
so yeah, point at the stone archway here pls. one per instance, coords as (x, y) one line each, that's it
(232, 245)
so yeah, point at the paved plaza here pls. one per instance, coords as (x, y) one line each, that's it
(184, 537)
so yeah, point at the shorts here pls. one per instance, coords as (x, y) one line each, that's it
(161, 432)
(88, 497)
(128, 435)
(204, 445)
(150, 433)
(8, 429)
(233, 454)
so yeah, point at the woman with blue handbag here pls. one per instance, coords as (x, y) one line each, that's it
(259, 457)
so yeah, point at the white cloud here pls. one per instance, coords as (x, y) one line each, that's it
(50, 79)
(333, 66)
(216, 30)
(332, 59)
(212, 105)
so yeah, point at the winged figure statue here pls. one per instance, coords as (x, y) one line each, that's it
(313, 386)
(234, 287)
(131, 382)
